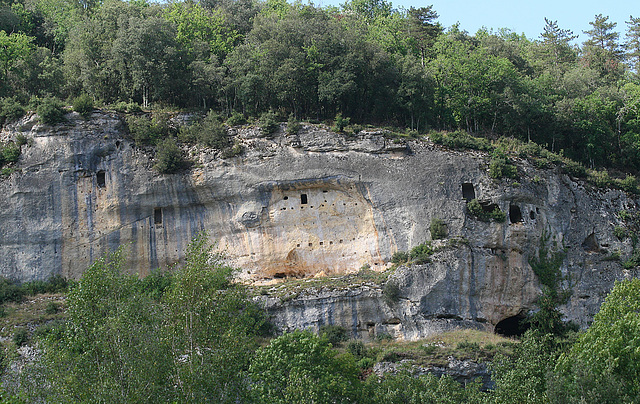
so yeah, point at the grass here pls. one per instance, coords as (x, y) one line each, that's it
(463, 344)
(31, 312)
(292, 287)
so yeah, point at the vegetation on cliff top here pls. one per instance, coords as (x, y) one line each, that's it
(362, 62)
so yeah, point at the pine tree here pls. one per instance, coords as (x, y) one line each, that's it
(632, 43)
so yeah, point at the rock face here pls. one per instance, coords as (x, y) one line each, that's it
(317, 203)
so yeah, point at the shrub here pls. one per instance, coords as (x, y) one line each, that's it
(293, 125)
(620, 233)
(10, 110)
(83, 104)
(501, 167)
(391, 292)
(421, 253)
(169, 157)
(10, 153)
(21, 140)
(20, 336)
(236, 118)
(51, 308)
(127, 107)
(460, 140)
(366, 363)
(340, 123)
(156, 284)
(268, 122)
(400, 257)
(9, 291)
(211, 132)
(629, 184)
(50, 111)
(476, 209)
(357, 348)
(574, 168)
(438, 229)
(335, 334)
(148, 131)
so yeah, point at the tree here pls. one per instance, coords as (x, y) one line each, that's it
(301, 367)
(602, 49)
(632, 43)
(557, 42)
(112, 347)
(604, 364)
(13, 47)
(211, 328)
(424, 28)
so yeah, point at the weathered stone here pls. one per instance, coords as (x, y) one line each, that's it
(313, 203)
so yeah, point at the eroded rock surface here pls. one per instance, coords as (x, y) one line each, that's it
(317, 203)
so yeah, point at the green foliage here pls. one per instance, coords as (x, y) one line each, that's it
(148, 131)
(335, 334)
(169, 157)
(604, 364)
(83, 104)
(492, 212)
(51, 308)
(400, 257)
(268, 122)
(620, 232)
(9, 291)
(210, 132)
(50, 111)
(357, 349)
(10, 110)
(501, 167)
(460, 140)
(20, 336)
(522, 377)
(9, 153)
(391, 292)
(547, 264)
(438, 229)
(340, 122)
(405, 388)
(421, 254)
(127, 107)
(302, 367)
(293, 125)
(236, 119)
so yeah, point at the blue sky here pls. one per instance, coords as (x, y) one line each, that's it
(524, 16)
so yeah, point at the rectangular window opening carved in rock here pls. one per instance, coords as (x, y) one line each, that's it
(157, 216)
(101, 179)
(303, 199)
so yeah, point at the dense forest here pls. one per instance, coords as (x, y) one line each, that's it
(192, 335)
(365, 61)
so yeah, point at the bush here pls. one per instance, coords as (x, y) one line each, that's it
(574, 168)
(210, 132)
(476, 209)
(20, 336)
(268, 122)
(340, 123)
(629, 184)
(501, 167)
(357, 348)
(460, 140)
(620, 233)
(156, 284)
(50, 111)
(9, 291)
(10, 153)
(293, 125)
(236, 118)
(10, 110)
(400, 257)
(421, 253)
(148, 131)
(169, 157)
(127, 107)
(51, 308)
(438, 229)
(83, 104)
(391, 292)
(366, 363)
(335, 334)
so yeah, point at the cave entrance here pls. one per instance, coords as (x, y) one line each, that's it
(513, 326)
(468, 192)
(515, 215)
(101, 179)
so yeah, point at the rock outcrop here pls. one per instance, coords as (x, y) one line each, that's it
(317, 203)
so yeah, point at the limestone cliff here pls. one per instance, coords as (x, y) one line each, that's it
(317, 203)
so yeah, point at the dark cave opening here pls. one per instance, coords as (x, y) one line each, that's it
(515, 215)
(303, 199)
(101, 179)
(513, 326)
(468, 192)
